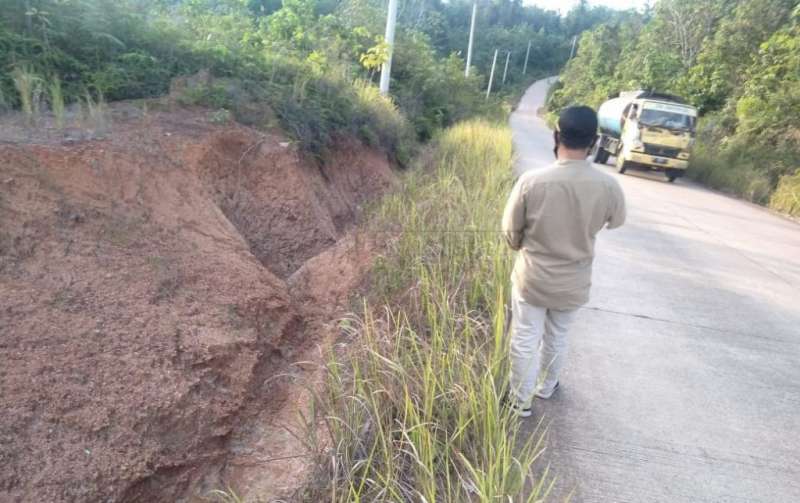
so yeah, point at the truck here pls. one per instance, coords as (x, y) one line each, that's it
(646, 130)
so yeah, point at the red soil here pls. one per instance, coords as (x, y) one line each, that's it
(152, 287)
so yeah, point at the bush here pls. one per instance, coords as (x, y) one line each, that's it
(434, 93)
(132, 75)
(732, 176)
(786, 197)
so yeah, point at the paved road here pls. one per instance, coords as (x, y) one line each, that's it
(683, 381)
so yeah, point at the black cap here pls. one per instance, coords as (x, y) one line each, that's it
(577, 123)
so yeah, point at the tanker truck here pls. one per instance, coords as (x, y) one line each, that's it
(646, 130)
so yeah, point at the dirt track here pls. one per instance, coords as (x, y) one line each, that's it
(152, 284)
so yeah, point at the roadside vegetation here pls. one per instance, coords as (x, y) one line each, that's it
(737, 61)
(311, 66)
(414, 408)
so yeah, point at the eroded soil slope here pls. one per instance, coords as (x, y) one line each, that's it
(147, 296)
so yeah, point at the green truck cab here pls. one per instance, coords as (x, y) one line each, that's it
(646, 130)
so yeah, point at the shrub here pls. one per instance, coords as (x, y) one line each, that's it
(786, 197)
(132, 75)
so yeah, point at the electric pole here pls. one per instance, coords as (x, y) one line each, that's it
(471, 37)
(527, 54)
(505, 71)
(491, 75)
(391, 22)
(572, 51)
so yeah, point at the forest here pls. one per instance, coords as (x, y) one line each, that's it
(315, 63)
(737, 61)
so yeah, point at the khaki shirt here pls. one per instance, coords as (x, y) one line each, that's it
(552, 217)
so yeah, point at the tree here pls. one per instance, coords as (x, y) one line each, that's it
(720, 68)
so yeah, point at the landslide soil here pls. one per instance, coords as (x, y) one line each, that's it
(156, 287)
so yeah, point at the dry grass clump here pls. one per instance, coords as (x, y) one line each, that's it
(786, 197)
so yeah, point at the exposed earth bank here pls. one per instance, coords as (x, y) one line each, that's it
(156, 287)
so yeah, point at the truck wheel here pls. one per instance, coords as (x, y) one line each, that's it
(622, 164)
(672, 175)
(600, 154)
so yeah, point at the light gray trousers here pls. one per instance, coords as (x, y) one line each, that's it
(538, 347)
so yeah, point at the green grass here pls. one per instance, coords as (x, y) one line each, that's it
(413, 404)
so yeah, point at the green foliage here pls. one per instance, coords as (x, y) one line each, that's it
(211, 96)
(433, 92)
(301, 62)
(375, 56)
(737, 61)
(770, 104)
(721, 66)
(131, 75)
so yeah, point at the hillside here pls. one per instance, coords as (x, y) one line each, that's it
(154, 285)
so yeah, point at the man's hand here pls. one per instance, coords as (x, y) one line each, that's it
(514, 216)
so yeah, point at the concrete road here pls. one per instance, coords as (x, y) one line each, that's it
(683, 379)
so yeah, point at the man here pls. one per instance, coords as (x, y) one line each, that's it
(551, 218)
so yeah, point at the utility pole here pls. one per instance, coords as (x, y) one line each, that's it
(471, 37)
(527, 54)
(491, 75)
(505, 72)
(391, 22)
(572, 51)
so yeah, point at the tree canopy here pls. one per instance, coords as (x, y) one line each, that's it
(737, 61)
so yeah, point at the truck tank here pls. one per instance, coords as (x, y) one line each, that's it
(609, 115)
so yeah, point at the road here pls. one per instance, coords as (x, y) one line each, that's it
(683, 379)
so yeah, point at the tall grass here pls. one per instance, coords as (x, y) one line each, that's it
(57, 101)
(786, 197)
(28, 85)
(414, 407)
(766, 175)
(97, 113)
(736, 176)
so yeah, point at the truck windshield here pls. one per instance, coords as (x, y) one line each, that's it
(669, 120)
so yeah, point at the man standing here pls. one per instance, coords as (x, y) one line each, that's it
(551, 219)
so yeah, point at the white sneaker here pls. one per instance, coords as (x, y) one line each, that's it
(516, 408)
(545, 395)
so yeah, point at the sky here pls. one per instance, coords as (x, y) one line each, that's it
(565, 5)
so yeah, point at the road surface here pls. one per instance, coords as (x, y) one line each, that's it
(683, 379)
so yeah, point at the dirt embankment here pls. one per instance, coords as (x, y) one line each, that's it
(152, 287)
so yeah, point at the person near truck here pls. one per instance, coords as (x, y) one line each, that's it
(551, 219)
